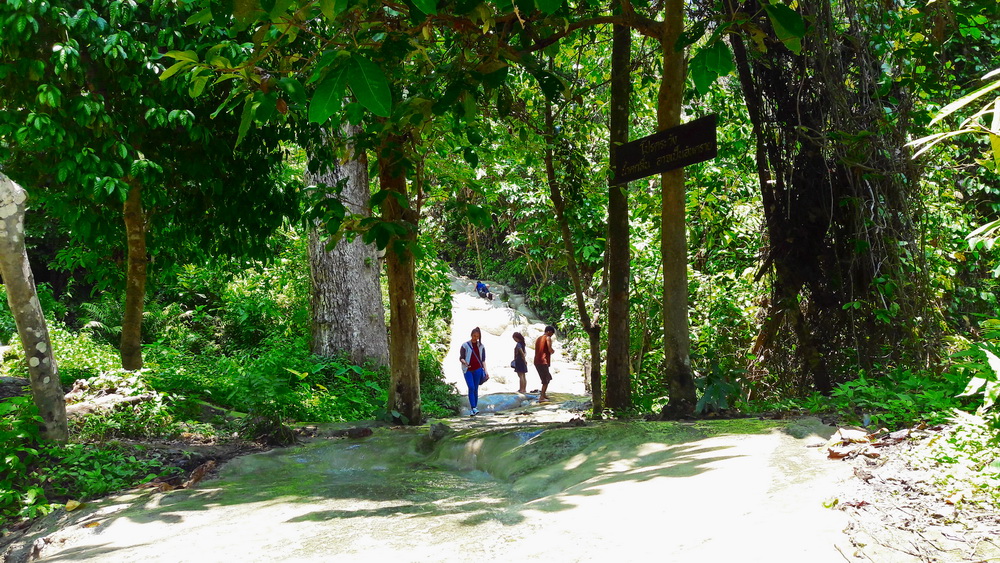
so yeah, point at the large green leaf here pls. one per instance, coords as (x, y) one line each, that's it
(548, 6)
(331, 8)
(789, 26)
(249, 108)
(328, 98)
(720, 58)
(369, 85)
(174, 69)
(294, 89)
(426, 6)
(709, 64)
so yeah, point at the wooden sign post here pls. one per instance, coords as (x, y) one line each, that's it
(672, 148)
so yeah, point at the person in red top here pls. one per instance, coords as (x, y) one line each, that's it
(473, 358)
(543, 360)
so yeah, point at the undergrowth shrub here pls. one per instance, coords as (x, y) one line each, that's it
(977, 364)
(77, 354)
(281, 381)
(149, 418)
(438, 398)
(899, 398)
(37, 477)
(965, 459)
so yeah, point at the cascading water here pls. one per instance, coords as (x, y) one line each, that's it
(498, 320)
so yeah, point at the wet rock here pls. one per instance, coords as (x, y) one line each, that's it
(13, 387)
(439, 430)
(354, 433)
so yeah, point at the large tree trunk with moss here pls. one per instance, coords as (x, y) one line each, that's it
(619, 386)
(837, 191)
(346, 297)
(135, 281)
(673, 235)
(404, 387)
(23, 301)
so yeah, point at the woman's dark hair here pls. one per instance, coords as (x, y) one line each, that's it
(519, 337)
(475, 330)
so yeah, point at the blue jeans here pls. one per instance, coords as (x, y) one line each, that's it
(472, 378)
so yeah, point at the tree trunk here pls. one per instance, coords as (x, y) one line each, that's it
(593, 329)
(23, 301)
(346, 297)
(135, 283)
(673, 238)
(839, 213)
(404, 387)
(619, 385)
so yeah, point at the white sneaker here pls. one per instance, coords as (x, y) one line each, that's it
(474, 412)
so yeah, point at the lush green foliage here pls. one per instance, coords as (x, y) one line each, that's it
(37, 477)
(79, 355)
(965, 460)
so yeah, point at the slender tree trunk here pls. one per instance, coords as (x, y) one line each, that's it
(404, 388)
(619, 386)
(23, 301)
(673, 241)
(135, 282)
(346, 296)
(592, 328)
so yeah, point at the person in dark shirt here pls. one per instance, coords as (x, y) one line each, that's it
(484, 290)
(520, 363)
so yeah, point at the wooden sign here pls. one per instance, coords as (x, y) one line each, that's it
(678, 146)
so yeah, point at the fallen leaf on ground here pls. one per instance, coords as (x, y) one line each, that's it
(198, 474)
(840, 452)
(849, 436)
(72, 505)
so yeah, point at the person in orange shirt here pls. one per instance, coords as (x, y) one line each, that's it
(543, 360)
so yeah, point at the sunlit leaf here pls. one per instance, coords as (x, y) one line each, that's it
(189, 56)
(709, 64)
(975, 384)
(995, 132)
(174, 69)
(964, 101)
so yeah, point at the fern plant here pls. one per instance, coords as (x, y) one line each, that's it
(102, 319)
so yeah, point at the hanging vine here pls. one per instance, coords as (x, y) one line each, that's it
(838, 190)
